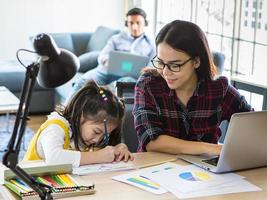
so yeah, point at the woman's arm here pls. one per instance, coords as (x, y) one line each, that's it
(169, 144)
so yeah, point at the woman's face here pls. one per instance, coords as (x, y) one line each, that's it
(92, 132)
(184, 79)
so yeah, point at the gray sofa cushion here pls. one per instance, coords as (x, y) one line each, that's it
(88, 61)
(64, 40)
(100, 37)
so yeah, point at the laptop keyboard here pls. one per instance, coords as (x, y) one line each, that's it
(212, 161)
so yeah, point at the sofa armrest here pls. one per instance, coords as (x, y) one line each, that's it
(88, 61)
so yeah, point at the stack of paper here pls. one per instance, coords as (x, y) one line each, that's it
(104, 167)
(188, 181)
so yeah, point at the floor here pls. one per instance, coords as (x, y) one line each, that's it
(35, 121)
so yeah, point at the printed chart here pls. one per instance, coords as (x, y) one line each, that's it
(195, 176)
(142, 181)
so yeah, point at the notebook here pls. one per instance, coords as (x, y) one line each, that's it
(244, 145)
(126, 64)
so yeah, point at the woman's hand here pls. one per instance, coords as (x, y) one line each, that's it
(213, 149)
(122, 153)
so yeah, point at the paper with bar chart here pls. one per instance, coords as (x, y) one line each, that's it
(137, 179)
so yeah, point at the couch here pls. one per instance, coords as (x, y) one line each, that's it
(86, 46)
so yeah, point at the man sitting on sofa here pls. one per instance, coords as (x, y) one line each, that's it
(134, 41)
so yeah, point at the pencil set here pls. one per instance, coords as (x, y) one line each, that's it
(62, 185)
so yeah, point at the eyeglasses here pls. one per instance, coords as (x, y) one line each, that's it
(174, 67)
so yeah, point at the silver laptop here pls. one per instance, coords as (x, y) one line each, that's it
(126, 64)
(245, 145)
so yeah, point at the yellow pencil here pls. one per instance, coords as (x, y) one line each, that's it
(72, 179)
(66, 179)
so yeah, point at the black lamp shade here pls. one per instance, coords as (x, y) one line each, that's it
(57, 66)
(59, 71)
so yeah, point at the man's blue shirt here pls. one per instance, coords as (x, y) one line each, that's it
(123, 41)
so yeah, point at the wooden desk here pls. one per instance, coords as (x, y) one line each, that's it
(106, 188)
(252, 84)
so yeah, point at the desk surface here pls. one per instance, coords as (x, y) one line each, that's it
(106, 188)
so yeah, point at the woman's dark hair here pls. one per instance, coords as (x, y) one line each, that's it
(189, 38)
(89, 103)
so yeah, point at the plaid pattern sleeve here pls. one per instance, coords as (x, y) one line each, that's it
(146, 113)
(158, 111)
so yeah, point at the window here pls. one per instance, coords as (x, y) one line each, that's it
(230, 26)
(237, 28)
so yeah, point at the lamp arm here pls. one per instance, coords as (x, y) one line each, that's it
(10, 158)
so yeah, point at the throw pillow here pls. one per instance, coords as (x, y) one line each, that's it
(100, 37)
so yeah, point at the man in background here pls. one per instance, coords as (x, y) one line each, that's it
(133, 41)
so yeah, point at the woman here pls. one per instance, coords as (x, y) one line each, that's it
(180, 104)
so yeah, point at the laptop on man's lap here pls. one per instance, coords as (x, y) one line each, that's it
(245, 145)
(126, 64)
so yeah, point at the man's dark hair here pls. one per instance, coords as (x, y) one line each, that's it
(137, 11)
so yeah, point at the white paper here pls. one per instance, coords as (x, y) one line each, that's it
(237, 186)
(104, 167)
(191, 181)
(186, 179)
(136, 179)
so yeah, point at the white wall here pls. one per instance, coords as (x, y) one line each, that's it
(20, 19)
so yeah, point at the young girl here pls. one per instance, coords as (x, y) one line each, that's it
(86, 131)
(180, 104)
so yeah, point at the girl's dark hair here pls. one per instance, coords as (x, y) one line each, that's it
(188, 37)
(89, 104)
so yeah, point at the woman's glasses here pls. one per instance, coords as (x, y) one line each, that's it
(174, 67)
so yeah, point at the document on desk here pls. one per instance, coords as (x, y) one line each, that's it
(105, 167)
(191, 181)
(137, 179)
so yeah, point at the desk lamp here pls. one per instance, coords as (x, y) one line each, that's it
(55, 66)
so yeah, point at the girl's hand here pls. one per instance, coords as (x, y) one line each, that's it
(106, 154)
(122, 153)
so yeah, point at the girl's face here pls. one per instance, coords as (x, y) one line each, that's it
(184, 79)
(93, 132)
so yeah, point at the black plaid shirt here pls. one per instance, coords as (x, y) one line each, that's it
(158, 111)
